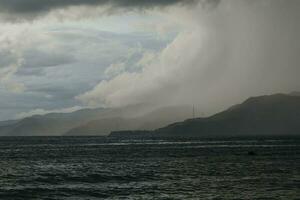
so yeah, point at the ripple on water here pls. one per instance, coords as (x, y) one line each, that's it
(94, 168)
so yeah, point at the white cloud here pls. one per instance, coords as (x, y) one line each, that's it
(11, 54)
(161, 73)
(41, 111)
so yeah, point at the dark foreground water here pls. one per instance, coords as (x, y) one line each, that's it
(95, 168)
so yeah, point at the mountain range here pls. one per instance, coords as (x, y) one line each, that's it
(100, 121)
(275, 115)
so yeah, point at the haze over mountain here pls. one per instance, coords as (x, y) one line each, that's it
(277, 114)
(149, 121)
(49, 124)
(94, 121)
(273, 115)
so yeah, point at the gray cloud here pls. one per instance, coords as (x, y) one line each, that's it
(61, 62)
(28, 6)
(30, 9)
(35, 7)
(240, 49)
(37, 58)
(36, 61)
(7, 58)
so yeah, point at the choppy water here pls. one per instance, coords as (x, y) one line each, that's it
(96, 168)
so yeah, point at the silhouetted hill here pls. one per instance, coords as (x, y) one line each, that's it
(274, 115)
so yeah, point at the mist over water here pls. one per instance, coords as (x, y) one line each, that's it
(98, 168)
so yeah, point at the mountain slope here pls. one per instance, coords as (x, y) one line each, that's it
(273, 115)
(93, 121)
(49, 124)
(56, 124)
(265, 115)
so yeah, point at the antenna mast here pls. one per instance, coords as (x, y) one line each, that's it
(193, 111)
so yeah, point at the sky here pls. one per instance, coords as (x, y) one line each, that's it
(65, 55)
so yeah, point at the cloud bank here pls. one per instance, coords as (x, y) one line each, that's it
(223, 56)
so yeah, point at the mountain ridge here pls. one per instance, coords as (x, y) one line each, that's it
(268, 115)
(98, 121)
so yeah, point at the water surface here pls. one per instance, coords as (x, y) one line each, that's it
(97, 168)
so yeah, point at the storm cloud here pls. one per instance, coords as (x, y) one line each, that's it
(31, 9)
(212, 54)
(222, 57)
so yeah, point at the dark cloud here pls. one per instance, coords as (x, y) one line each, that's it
(24, 9)
(29, 6)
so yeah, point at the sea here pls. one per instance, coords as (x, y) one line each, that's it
(75, 168)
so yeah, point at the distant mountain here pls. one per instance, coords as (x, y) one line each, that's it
(274, 115)
(277, 114)
(149, 121)
(98, 121)
(56, 124)
(49, 124)
(5, 126)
